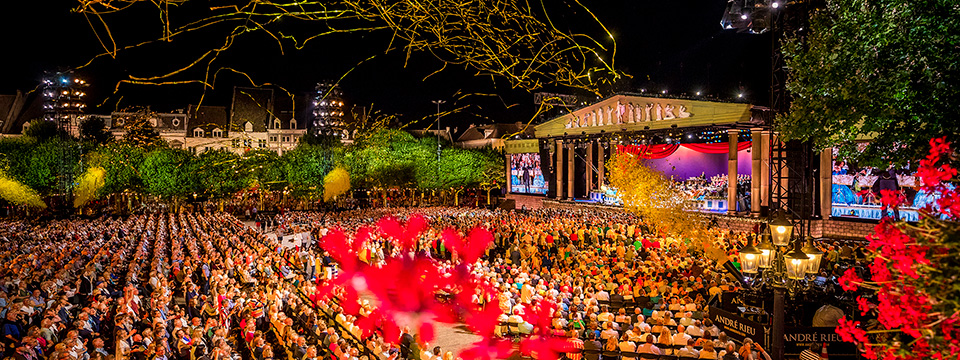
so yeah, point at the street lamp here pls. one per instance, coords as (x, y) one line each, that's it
(814, 254)
(782, 230)
(796, 262)
(749, 258)
(767, 250)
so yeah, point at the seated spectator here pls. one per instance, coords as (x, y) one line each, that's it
(627, 345)
(708, 352)
(689, 350)
(594, 346)
(648, 347)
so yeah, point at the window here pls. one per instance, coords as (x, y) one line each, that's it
(217, 133)
(293, 124)
(262, 143)
(236, 143)
(276, 123)
(246, 143)
(273, 139)
(286, 139)
(198, 132)
(176, 122)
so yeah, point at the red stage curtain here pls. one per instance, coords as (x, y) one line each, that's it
(659, 151)
(718, 148)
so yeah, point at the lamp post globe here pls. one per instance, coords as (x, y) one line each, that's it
(767, 250)
(782, 230)
(796, 262)
(749, 258)
(814, 255)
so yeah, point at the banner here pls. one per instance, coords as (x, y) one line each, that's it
(797, 339)
(736, 326)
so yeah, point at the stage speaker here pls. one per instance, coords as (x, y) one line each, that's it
(508, 204)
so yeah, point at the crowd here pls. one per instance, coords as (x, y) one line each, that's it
(191, 286)
(619, 286)
(158, 287)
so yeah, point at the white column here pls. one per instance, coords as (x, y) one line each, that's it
(570, 175)
(826, 183)
(589, 166)
(732, 135)
(559, 169)
(601, 167)
(755, 172)
(509, 176)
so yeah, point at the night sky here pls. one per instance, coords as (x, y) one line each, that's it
(676, 45)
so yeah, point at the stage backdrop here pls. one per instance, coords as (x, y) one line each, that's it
(686, 163)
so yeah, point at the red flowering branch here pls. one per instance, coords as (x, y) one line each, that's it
(913, 269)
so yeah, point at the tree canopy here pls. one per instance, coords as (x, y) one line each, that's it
(888, 70)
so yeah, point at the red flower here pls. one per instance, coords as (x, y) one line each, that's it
(850, 280)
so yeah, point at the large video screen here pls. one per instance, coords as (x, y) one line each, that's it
(525, 174)
(856, 191)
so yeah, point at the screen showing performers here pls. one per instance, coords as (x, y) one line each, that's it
(525, 174)
(857, 191)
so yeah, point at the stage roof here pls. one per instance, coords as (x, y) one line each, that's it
(632, 113)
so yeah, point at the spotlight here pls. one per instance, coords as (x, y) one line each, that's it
(698, 93)
(740, 95)
(663, 92)
(775, 5)
(744, 16)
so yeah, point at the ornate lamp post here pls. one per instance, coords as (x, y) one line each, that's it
(780, 266)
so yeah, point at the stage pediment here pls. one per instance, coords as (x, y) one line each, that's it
(631, 113)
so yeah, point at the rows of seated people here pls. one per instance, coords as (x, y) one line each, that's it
(158, 286)
(587, 262)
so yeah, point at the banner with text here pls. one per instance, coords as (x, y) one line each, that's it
(797, 339)
(736, 326)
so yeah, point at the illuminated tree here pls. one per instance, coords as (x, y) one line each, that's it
(168, 174)
(121, 163)
(220, 174)
(305, 166)
(886, 69)
(266, 169)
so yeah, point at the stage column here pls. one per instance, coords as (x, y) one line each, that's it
(826, 183)
(601, 153)
(756, 160)
(589, 166)
(571, 157)
(559, 169)
(509, 176)
(732, 135)
(765, 169)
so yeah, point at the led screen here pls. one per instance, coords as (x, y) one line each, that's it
(525, 174)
